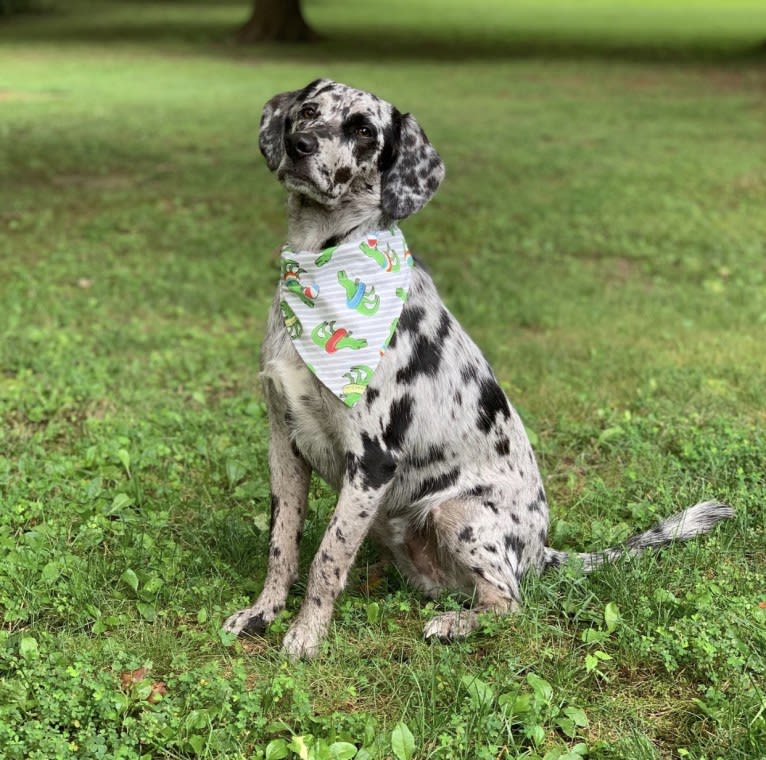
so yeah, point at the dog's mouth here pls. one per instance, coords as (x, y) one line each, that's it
(297, 181)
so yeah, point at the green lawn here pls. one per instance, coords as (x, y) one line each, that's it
(606, 195)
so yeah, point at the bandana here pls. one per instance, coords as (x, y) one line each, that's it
(341, 307)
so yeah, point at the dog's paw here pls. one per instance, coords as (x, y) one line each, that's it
(302, 640)
(252, 621)
(450, 626)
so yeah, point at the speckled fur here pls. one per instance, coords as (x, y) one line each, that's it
(433, 462)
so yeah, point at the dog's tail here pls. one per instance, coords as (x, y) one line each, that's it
(690, 523)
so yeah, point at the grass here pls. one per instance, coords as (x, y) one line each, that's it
(601, 235)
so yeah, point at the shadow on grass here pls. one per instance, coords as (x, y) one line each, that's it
(419, 47)
(215, 36)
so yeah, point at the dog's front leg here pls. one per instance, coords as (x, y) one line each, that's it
(359, 499)
(290, 476)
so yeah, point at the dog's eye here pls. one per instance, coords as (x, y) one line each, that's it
(308, 112)
(365, 132)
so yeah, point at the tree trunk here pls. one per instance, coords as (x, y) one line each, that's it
(276, 21)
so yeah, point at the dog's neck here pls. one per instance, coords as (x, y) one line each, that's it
(312, 227)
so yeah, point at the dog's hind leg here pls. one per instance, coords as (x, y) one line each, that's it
(415, 553)
(448, 626)
(479, 556)
(290, 476)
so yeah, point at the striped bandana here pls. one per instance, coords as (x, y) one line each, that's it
(341, 307)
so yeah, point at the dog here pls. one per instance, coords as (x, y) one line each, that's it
(433, 462)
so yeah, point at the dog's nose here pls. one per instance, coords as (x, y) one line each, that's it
(301, 144)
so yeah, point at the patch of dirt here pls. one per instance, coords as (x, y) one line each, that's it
(749, 79)
(612, 268)
(720, 79)
(643, 83)
(8, 95)
(750, 182)
(94, 181)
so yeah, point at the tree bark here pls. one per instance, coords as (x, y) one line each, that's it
(276, 21)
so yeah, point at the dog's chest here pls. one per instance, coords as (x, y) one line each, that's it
(316, 419)
(318, 431)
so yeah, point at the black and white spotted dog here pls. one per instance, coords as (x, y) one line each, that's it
(433, 461)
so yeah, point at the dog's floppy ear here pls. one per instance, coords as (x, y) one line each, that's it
(271, 139)
(411, 171)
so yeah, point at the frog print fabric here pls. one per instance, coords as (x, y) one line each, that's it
(341, 306)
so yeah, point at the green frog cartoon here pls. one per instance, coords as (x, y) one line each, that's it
(291, 274)
(324, 256)
(292, 323)
(387, 260)
(332, 339)
(360, 297)
(358, 377)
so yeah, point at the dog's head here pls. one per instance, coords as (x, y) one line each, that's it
(329, 141)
